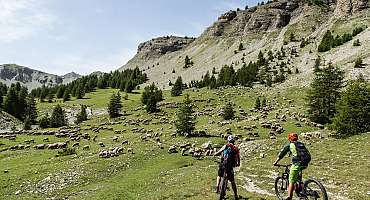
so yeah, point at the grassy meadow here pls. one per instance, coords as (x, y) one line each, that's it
(152, 173)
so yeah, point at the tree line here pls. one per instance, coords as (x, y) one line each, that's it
(126, 81)
(248, 74)
(330, 41)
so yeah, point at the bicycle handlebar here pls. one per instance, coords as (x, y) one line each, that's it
(279, 165)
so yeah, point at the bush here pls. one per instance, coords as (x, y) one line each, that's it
(228, 111)
(356, 43)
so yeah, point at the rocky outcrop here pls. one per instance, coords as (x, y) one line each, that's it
(70, 77)
(271, 16)
(162, 45)
(347, 7)
(11, 73)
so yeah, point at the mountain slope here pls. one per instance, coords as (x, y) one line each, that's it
(262, 28)
(11, 73)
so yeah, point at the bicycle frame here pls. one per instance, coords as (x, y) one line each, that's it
(285, 175)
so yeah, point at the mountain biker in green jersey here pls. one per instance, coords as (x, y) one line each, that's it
(230, 158)
(301, 158)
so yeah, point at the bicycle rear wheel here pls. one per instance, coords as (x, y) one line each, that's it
(223, 185)
(281, 187)
(315, 190)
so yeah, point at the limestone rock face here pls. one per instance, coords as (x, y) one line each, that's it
(271, 16)
(347, 7)
(162, 45)
(359, 5)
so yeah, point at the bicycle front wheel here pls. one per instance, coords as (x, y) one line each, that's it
(281, 187)
(315, 190)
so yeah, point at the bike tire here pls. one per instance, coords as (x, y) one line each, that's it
(223, 184)
(281, 187)
(312, 193)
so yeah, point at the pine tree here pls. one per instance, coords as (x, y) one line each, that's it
(324, 94)
(150, 97)
(21, 103)
(261, 60)
(177, 87)
(44, 121)
(212, 82)
(353, 116)
(115, 105)
(27, 124)
(82, 116)
(326, 42)
(241, 47)
(58, 118)
(185, 123)
(50, 97)
(60, 91)
(257, 104)
(129, 87)
(268, 80)
(188, 62)
(79, 91)
(11, 101)
(31, 110)
(263, 102)
(66, 95)
(292, 37)
(358, 63)
(43, 93)
(228, 111)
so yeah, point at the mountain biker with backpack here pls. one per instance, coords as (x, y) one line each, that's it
(230, 158)
(301, 158)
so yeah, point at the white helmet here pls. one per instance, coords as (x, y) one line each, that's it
(230, 138)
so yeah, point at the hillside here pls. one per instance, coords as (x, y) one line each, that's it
(12, 73)
(261, 28)
(145, 169)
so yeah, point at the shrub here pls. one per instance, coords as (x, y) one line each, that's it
(228, 111)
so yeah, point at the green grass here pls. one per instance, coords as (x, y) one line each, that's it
(152, 173)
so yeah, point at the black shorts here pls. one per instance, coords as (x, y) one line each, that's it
(229, 172)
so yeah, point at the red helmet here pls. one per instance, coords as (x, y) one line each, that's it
(292, 137)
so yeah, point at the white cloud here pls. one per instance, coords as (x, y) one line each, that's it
(20, 19)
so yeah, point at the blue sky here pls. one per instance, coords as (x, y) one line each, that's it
(60, 36)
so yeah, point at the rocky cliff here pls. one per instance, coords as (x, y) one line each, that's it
(259, 28)
(347, 7)
(11, 73)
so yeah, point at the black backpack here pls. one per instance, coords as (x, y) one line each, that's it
(229, 156)
(303, 155)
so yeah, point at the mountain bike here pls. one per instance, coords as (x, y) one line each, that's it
(309, 189)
